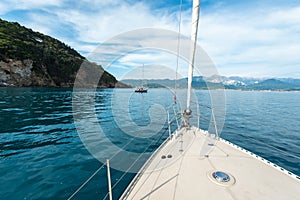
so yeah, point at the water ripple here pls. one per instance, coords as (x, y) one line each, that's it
(41, 155)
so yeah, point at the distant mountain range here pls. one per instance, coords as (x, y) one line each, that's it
(218, 82)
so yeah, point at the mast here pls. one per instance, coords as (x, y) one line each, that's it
(195, 20)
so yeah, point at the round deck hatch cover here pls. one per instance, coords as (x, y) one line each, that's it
(221, 176)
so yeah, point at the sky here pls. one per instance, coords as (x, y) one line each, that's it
(258, 38)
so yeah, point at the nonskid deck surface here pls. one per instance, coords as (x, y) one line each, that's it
(183, 167)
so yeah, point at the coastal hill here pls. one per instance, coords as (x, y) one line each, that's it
(32, 59)
(219, 82)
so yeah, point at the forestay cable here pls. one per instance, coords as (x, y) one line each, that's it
(178, 51)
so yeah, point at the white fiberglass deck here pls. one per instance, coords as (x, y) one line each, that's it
(187, 174)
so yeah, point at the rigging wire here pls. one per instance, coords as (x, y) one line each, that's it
(151, 171)
(92, 176)
(154, 142)
(251, 138)
(178, 49)
(88, 180)
(258, 141)
(125, 173)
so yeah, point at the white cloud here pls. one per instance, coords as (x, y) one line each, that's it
(3, 8)
(284, 17)
(104, 22)
(11, 5)
(37, 23)
(265, 44)
(258, 42)
(151, 71)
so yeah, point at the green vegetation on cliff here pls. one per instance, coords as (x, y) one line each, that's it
(50, 58)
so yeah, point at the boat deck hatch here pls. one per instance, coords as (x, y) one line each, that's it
(221, 176)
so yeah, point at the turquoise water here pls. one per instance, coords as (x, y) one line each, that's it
(42, 156)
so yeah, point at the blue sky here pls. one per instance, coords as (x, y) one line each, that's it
(259, 38)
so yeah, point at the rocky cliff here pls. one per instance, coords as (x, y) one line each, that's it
(32, 59)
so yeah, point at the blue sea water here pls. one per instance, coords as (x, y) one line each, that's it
(43, 157)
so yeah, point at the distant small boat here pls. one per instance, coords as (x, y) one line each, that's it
(141, 89)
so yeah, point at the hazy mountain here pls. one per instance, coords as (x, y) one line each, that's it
(216, 82)
(274, 84)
